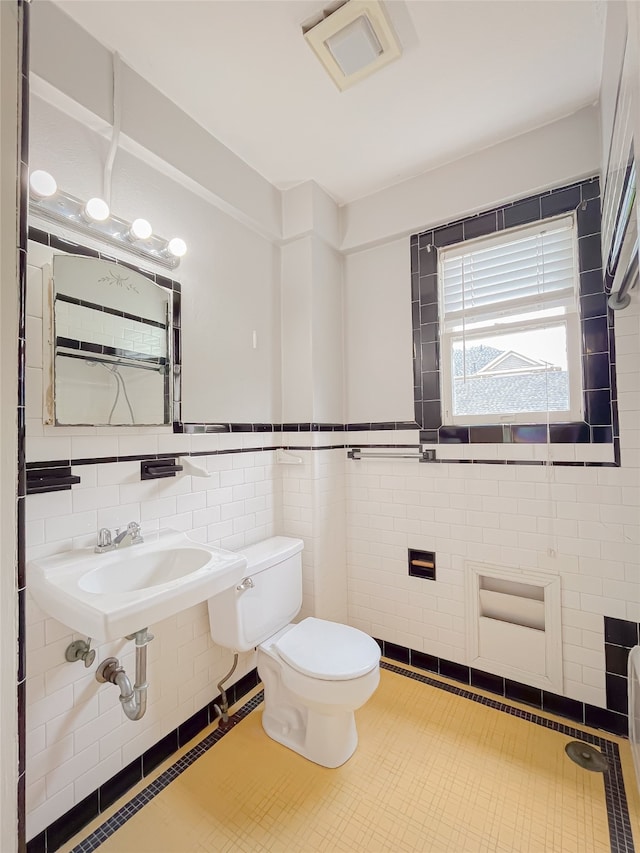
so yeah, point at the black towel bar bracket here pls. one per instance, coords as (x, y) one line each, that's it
(154, 469)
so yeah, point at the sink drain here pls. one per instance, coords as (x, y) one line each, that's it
(587, 756)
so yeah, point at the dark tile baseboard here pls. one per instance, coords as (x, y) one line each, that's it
(617, 807)
(619, 820)
(68, 824)
(613, 721)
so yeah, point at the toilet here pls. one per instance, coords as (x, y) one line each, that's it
(315, 673)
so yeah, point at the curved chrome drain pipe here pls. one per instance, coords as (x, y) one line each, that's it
(133, 699)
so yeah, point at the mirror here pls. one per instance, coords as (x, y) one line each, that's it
(111, 344)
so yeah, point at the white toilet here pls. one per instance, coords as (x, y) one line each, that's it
(315, 673)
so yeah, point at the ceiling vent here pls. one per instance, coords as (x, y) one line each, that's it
(353, 40)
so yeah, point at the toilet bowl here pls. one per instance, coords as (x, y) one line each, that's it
(316, 673)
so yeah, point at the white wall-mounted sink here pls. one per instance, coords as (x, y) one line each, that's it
(112, 595)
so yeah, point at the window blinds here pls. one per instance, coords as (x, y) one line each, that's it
(503, 273)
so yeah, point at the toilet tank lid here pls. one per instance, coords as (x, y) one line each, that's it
(328, 650)
(268, 552)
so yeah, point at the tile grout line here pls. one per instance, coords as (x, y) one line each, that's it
(620, 834)
(133, 806)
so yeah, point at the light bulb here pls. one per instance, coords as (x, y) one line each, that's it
(97, 209)
(177, 247)
(141, 229)
(42, 184)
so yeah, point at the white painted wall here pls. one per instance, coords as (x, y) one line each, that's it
(556, 154)
(9, 77)
(80, 69)
(378, 338)
(229, 276)
(312, 308)
(297, 333)
(327, 334)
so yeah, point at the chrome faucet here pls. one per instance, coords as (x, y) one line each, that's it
(104, 541)
(131, 535)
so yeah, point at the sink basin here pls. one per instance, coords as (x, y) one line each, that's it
(112, 595)
(141, 571)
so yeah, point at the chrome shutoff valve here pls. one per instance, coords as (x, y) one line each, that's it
(80, 650)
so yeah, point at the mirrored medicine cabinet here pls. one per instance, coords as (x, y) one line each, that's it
(110, 336)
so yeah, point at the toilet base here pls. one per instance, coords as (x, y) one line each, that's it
(327, 740)
(312, 717)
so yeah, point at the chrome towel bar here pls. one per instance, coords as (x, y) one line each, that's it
(417, 454)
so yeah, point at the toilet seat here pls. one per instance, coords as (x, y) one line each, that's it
(328, 651)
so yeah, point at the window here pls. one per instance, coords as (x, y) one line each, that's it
(510, 328)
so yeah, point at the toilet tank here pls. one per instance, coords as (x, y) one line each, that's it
(244, 616)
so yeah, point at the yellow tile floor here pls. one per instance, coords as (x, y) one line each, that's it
(432, 772)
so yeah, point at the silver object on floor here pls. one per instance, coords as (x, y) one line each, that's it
(587, 756)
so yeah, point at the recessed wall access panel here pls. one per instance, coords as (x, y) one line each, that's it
(514, 624)
(422, 564)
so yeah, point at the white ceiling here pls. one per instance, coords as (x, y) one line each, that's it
(473, 73)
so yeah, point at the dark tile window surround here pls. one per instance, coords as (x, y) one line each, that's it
(596, 320)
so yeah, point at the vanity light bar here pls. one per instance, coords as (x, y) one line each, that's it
(64, 209)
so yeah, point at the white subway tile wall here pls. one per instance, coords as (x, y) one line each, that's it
(582, 523)
(77, 734)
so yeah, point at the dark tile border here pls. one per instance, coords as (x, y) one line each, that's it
(620, 636)
(102, 460)
(22, 200)
(620, 834)
(610, 719)
(202, 428)
(68, 824)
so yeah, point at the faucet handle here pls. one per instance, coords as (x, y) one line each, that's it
(104, 540)
(136, 532)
